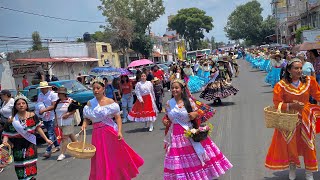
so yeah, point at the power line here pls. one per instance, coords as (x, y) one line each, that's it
(52, 17)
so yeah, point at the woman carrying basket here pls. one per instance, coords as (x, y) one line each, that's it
(114, 158)
(294, 91)
(185, 158)
(20, 131)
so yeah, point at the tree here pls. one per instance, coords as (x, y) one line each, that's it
(36, 41)
(299, 33)
(213, 43)
(245, 22)
(267, 28)
(141, 13)
(143, 44)
(191, 23)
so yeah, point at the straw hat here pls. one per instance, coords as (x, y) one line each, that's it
(155, 79)
(62, 90)
(224, 58)
(43, 84)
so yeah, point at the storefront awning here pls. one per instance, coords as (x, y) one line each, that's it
(53, 60)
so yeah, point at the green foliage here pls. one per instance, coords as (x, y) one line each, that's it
(143, 44)
(245, 22)
(139, 13)
(267, 28)
(80, 40)
(36, 41)
(299, 33)
(205, 44)
(191, 23)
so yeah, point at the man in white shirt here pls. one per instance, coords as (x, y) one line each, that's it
(48, 98)
(196, 67)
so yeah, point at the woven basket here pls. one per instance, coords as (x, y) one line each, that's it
(5, 156)
(274, 118)
(81, 149)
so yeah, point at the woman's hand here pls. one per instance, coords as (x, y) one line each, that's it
(120, 136)
(84, 125)
(296, 105)
(49, 142)
(193, 115)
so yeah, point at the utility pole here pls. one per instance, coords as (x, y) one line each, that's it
(274, 5)
(287, 22)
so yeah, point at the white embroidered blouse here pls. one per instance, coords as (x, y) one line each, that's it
(144, 88)
(97, 113)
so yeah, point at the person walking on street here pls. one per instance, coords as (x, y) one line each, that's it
(185, 158)
(144, 109)
(25, 82)
(114, 158)
(294, 91)
(49, 98)
(19, 133)
(7, 103)
(127, 97)
(64, 118)
(159, 93)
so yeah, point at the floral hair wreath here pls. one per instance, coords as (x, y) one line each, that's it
(20, 96)
(97, 80)
(179, 81)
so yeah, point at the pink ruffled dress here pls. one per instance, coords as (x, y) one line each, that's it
(186, 159)
(114, 159)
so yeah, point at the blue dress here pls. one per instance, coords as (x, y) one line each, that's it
(273, 77)
(195, 83)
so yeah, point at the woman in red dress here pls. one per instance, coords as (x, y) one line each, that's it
(144, 109)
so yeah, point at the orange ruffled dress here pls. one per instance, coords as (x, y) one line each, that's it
(286, 147)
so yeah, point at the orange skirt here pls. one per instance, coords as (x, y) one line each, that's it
(281, 153)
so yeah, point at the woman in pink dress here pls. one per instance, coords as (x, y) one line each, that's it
(186, 159)
(114, 158)
(144, 109)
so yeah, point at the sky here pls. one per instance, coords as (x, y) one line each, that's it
(22, 25)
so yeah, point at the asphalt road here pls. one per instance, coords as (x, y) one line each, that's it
(239, 132)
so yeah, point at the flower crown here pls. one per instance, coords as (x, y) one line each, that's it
(179, 81)
(97, 80)
(20, 96)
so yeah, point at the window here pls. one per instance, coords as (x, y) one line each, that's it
(104, 48)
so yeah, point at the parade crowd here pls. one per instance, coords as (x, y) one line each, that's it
(187, 157)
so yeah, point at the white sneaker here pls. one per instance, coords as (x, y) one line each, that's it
(309, 175)
(124, 121)
(292, 171)
(61, 157)
(151, 127)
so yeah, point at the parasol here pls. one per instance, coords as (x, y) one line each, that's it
(105, 71)
(140, 62)
(309, 46)
(124, 71)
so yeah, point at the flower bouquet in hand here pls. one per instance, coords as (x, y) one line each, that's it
(200, 133)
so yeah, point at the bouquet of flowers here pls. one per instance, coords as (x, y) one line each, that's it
(199, 134)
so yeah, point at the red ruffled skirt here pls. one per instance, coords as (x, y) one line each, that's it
(143, 112)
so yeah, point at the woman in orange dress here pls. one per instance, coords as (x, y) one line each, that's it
(294, 91)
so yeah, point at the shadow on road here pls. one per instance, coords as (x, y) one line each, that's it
(265, 92)
(267, 85)
(285, 174)
(256, 70)
(137, 130)
(222, 104)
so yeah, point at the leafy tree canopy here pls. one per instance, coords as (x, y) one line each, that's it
(245, 22)
(191, 23)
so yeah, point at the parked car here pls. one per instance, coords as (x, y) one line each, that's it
(30, 103)
(76, 90)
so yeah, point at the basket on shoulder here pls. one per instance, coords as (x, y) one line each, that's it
(199, 134)
(81, 149)
(5, 156)
(275, 118)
